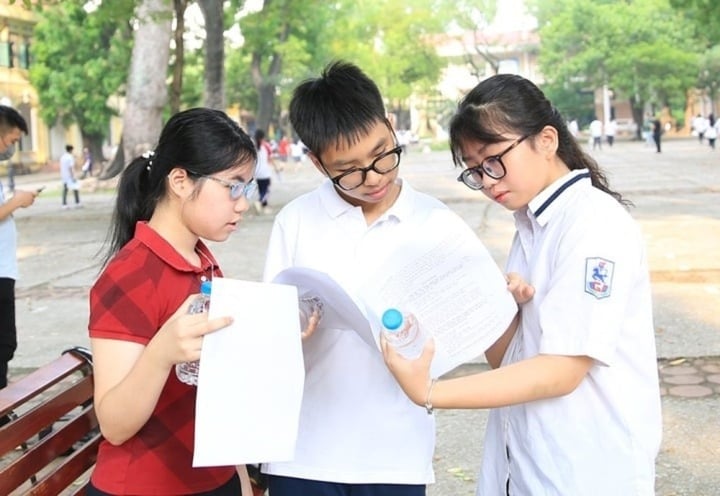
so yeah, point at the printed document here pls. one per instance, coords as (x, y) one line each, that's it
(447, 280)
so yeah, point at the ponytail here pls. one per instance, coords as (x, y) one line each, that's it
(135, 202)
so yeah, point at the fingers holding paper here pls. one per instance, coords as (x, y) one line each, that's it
(521, 290)
(311, 326)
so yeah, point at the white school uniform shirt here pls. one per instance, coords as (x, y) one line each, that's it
(356, 424)
(585, 257)
(8, 243)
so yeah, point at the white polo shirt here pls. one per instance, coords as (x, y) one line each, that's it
(585, 257)
(356, 424)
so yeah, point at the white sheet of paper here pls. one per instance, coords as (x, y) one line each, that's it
(451, 284)
(251, 376)
(340, 310)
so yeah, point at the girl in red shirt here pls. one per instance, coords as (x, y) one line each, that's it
(195, 184)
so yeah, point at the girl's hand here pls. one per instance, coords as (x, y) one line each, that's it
(180, 338)
(520, 289)
(413, 376)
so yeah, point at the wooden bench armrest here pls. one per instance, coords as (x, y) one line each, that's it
(51, 410)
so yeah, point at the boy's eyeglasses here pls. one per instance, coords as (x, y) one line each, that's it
(492, 166)
(237, 189)
(354, 178)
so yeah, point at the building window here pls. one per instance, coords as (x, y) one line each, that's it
(6, 55)
(15, 52)
(24, 56)
(26, 140)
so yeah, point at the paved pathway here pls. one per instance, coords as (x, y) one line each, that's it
(677, 198)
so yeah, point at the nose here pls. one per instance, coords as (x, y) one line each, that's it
(242, 204)
(488, 182)
(372, 178)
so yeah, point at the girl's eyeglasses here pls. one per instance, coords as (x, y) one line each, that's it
(237, 189)
(492, 166)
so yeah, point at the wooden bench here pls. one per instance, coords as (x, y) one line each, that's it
(37, 460)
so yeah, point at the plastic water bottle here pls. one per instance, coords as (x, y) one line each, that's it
(187, 372)
(403, 333)
(307, 306)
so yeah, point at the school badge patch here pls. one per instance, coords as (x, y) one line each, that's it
(598, 276)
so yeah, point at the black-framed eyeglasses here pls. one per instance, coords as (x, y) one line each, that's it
(493, 166)
(354, 178)
(237, 189)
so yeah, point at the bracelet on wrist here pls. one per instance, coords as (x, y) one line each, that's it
(428, 399)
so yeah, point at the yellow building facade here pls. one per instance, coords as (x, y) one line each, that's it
(16, 32)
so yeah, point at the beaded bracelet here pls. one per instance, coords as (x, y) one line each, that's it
(428, 403)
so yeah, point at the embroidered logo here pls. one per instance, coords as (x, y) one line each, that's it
(598, 276)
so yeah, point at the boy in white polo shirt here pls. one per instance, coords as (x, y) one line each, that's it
(358, 434)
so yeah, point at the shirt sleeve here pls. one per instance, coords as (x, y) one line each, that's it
(278, 255)
(595, 266)
(124, 306)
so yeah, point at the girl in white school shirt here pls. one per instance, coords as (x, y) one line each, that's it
(574, 390)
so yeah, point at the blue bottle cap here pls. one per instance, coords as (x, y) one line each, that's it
(392, 319)
(206, 287)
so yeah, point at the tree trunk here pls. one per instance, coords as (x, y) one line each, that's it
(177, 79)
(265, 84)
(637, 112)
(116, 165)
(266, 106)
(147, 81)
(214, 53)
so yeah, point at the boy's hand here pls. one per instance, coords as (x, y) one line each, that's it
(520, 289)
(311, 325)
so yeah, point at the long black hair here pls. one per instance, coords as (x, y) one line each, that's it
(201, 140)
(509, 103)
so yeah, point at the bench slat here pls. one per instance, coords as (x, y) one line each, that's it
(36, 382)
(45, 414)
(50, 449)
(68, 471)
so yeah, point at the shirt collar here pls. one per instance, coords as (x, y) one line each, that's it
(168, 254)
(336, 206)
(549, 199)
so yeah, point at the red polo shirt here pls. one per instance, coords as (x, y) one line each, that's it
(141, 287)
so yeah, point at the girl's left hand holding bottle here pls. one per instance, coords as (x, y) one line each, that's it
(412, 375)
(180, 338)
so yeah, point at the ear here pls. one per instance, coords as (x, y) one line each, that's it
(179, 183)
(547, 140)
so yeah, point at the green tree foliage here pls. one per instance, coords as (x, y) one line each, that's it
(80, 59)
(277, 39)
(290, 40)
(394, 43)
(709, 78)
(642, 49)
(706, 14)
